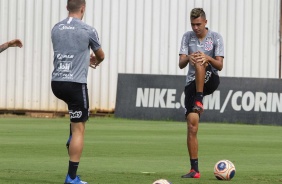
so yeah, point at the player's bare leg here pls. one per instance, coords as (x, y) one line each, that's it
(77, 141)
(200, 72)
(192, 129)
(200, 77)
(192, 145)
(76, 147)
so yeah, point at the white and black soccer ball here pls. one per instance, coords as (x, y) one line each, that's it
(161, 181)
(224, 170)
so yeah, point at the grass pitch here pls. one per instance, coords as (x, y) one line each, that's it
(121, 151)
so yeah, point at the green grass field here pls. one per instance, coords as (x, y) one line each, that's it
(118, 151)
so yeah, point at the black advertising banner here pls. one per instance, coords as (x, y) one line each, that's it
(237, 100)
(151, 97)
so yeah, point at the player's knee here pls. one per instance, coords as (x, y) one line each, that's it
(192, 129)
(200, 65)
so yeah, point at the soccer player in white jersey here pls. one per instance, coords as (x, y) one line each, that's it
(72, 40)
(203, 51)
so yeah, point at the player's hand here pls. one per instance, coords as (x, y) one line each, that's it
(15, 43)
(193, 58)
(93, 61)
(202, 58)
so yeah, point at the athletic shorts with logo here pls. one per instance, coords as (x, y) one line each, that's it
(211, 83)
(76, 97)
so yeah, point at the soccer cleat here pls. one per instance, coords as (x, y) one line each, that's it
(74, 181)
(192, 174)
(198, 107)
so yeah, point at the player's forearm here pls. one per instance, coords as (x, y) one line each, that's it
(4, 47)
(216, 63)
(100, 55)
(100, 59)
(183, 62)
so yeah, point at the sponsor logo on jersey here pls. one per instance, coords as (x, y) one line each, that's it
(193, 39)
(64, 56)
(64, 66)
(208, 44)
(200, 45)
(208, 76)
(75, 114)
(65, 27)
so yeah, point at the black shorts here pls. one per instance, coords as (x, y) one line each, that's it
(76, 97)
(211, 84)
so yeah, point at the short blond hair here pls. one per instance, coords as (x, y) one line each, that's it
(197, 12)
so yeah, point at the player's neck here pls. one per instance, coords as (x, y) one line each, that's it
(203, 35)
(76, 15)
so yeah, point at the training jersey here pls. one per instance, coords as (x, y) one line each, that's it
(72, 40)
(211, 45)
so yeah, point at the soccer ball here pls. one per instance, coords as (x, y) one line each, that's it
(161, 181)
(224, 170)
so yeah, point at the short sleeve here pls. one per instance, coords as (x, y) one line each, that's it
(184, 45)
(94, 41)
(219, 46)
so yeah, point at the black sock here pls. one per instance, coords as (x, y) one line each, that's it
(194, 164)
(199, 96)
(72, 169)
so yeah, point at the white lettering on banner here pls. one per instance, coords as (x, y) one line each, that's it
(258, 101)
(156, 98)
(261, 99)
(212, 101)
(239, 100)
(248, 101)
(234, 102)
(268, 106)
(226, 101)
(159, 98)
(151, 98)
(276, 102)
(142, 97)
(170, 98)
(182, 100)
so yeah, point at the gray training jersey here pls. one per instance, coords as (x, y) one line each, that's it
(72, 40)
(211, 45)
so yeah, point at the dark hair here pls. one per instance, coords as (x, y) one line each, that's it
(197, 12)
(75, 5)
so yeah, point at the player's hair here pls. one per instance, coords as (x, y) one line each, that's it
(75, 5)
(197, 12)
